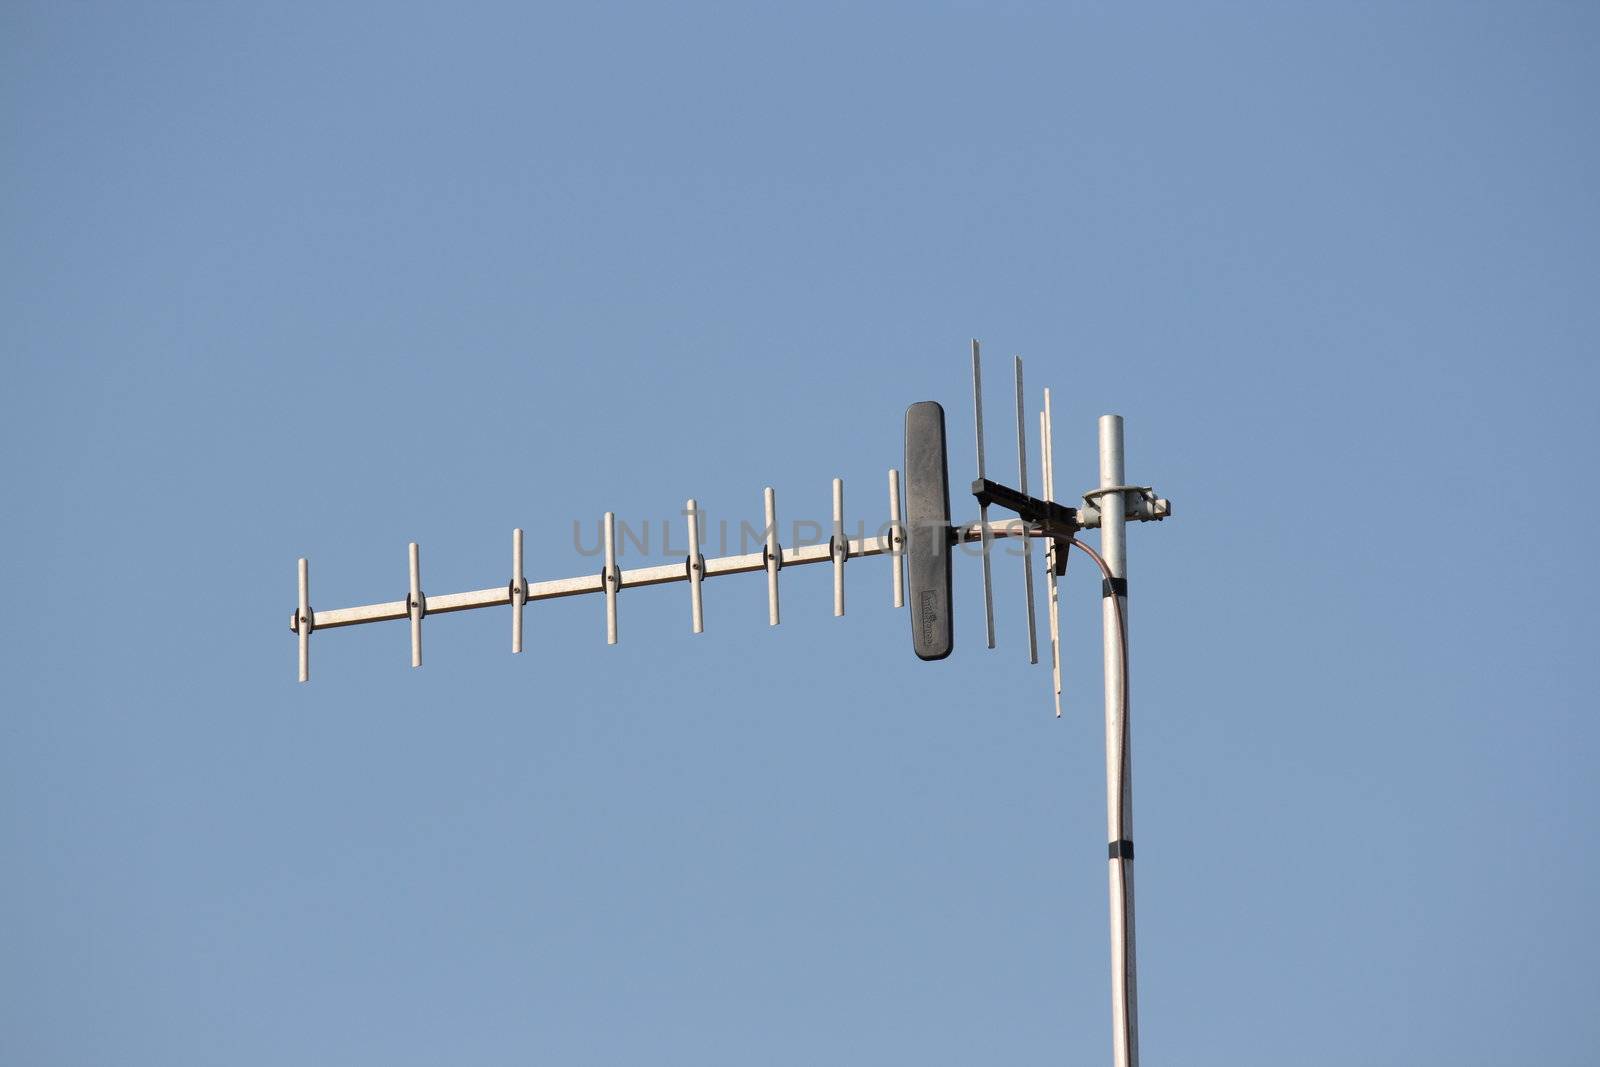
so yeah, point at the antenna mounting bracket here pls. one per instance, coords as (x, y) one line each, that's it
(1055, 520)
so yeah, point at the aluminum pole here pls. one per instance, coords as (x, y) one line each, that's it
(1119, 760)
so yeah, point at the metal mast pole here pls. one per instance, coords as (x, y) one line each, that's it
(1119, 761)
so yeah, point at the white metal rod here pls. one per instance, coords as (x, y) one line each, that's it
(303, 622)
(839, 546)
(1048, 472)
(898, 561)
(329, 620)
(611, 578)
(518, 590)
(774, 558)
(478, 598)
(415, 604)
(1052, 593)
(697, 568)
(1119, 760)
(983, 510)
(748, 563)
(1027, 549)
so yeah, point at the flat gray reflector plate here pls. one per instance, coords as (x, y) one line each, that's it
(928, 531)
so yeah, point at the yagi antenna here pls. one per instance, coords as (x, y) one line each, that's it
(920, 540)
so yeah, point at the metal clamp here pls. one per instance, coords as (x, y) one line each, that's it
(1140, 504)
(1146, 491)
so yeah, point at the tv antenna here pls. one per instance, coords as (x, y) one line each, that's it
(919, 542)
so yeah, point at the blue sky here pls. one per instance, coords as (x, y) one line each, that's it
(285, 280)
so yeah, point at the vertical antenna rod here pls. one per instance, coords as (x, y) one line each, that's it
(1053, 554)
(1119, 762)
(897, 541)
(1027, 550)
(611, 577)
(983, 509)
(303, 623)
(519, 590)
(774, 557)
(415, 607)
(839, 548)
(697, 568)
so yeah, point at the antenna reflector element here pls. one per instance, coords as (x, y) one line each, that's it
(928, 531)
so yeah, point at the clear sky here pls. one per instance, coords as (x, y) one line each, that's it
(309, 279)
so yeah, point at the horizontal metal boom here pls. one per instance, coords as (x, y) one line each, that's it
(662, 574)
